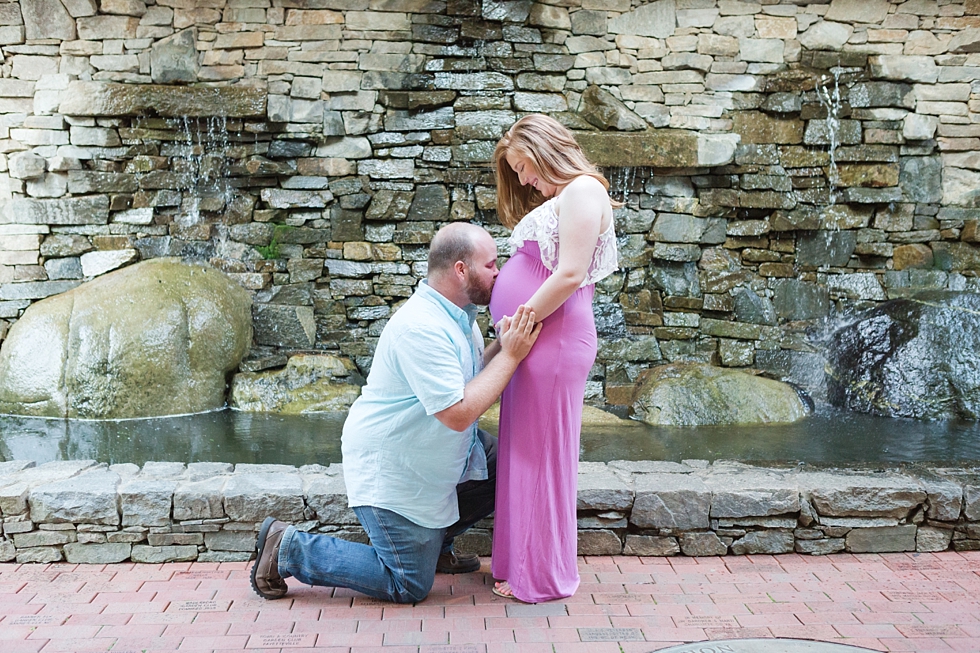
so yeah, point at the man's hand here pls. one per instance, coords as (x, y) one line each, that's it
(515, 337)
(518, 333)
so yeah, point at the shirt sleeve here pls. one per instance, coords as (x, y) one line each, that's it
(430, 364)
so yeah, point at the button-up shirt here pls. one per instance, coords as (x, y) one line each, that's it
(397, 454)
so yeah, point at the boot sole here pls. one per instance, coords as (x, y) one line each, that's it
(259, 546)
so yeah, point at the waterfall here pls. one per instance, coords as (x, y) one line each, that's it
(204, 155)
(621, 183)
(831, 101)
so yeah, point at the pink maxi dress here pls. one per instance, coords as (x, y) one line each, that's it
(535, 527)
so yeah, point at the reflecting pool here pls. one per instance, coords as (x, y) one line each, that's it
(828, 437)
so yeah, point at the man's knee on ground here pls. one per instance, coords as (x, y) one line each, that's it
(413, 590)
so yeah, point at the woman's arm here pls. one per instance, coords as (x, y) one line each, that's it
(581, 206)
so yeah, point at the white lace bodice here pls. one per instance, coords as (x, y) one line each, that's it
(541, 226)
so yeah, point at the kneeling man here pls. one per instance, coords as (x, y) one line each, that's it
(418, 470)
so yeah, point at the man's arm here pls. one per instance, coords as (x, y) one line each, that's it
(516, 338)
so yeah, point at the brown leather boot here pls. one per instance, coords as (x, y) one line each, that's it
(457, 563)
(265, 577)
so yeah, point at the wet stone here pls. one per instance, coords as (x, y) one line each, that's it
(798, 300)
(825, 248)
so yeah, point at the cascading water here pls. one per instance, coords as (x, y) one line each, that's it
(621, 183)
(203, 154)
(830, 100)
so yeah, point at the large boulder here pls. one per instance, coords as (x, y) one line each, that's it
(694, 394)
(309, 383)
(155, 338)
(913, 357)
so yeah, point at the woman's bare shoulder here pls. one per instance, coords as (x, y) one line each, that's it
(585, 185)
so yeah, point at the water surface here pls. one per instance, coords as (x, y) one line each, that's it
(829, 437)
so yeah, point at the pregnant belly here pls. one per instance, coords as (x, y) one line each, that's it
(520, 277)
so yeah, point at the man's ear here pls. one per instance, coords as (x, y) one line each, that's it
(459, 267)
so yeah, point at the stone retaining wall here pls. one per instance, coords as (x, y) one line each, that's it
(806, 158)
(81, 511)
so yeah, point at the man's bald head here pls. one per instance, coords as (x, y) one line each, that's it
(452, 243)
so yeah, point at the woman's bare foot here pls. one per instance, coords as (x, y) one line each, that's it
(503, 589)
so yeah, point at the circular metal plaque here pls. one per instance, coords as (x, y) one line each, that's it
(762, 646)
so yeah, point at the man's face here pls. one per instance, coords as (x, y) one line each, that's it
(482, 271)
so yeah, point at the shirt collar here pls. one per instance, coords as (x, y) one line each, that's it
(462, 316)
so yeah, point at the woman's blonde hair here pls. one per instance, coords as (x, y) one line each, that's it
(553, 152)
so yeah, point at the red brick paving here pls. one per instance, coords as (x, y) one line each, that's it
(886, 602)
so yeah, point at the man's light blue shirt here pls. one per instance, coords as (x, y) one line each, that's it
(397, 454)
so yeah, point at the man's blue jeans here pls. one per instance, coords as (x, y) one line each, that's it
(400, 563)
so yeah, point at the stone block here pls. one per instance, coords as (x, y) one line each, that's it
(757, 127)
(921, 178)
(7, 551)
(820, 547)
(47, 19)
(846, 495)
(599, 543)
(90, 498)
(905, 68)
(799, 300)
(646, 545)
(253, 497)
(57, 212)
(657, 19)
(945, 498)
(284, 326)
(159, 554)
(603, 490)
(823, 248)
(100, 262)
(41, 554)
(929, 539)
(752, 494)
(674, 501)
(702, 544)
(230, 541)
(42, 538)
(677, 228)
(146, 502)
(174, 539)
(201, 499)
(826, 35)
(881, 539)
(97, 554)
(862, 285)
(764, 542)
(97, 28)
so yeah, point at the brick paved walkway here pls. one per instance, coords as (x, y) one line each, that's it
(893, 602)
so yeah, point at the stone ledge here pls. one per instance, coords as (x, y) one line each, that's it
(661, 148)
(87, 512)
(84, 98)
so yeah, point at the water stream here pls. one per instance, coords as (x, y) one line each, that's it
(830, 100)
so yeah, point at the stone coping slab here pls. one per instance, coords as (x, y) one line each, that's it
(85, 98)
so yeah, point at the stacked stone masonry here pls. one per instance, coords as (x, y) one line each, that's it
(85, 512)
(816, 158)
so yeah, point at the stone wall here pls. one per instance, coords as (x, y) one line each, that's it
(81, 511)
(786, 161)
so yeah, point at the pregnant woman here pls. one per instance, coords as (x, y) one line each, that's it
(563, 242)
